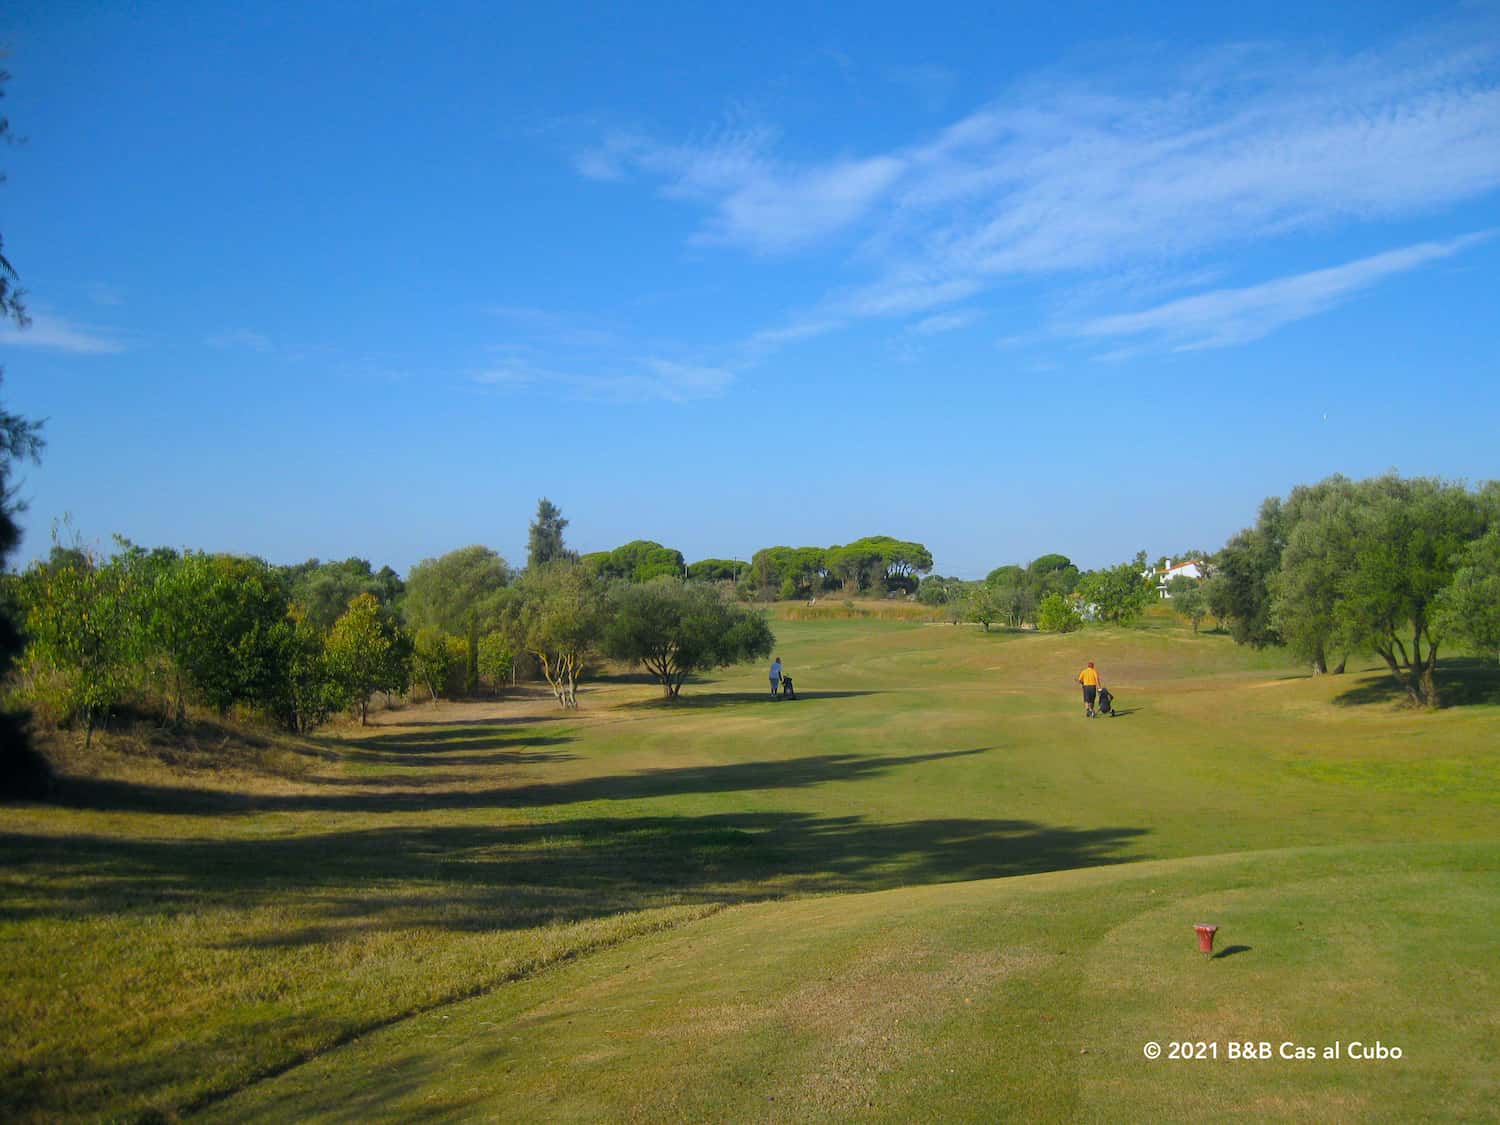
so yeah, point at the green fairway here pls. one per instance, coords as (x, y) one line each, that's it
(926, 889)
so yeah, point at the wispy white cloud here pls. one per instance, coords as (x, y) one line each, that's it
(648, 380)
(756, 200)
(509, 376)
(803, 330)
(1069, 179)
(55, 333)
(1235, 316)
(241, 339)
(944, 322)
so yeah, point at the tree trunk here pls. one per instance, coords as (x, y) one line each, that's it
(1400, 675)
(1428, 679)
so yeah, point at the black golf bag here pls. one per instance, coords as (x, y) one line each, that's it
(787, 690)
(1106, 702)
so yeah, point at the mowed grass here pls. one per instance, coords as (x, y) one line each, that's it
(468, 910)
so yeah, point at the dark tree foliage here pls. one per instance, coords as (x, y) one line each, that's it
(544, 543)
(1244, 569)
(935, 589)
(638, 561)
(675, 628)
(23, 771)
(324, 589)
(717, 570)
(788, 572)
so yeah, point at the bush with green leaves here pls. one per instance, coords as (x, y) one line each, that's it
(1057, 614)
(83, 635)
(496, 660)
(366, 654)
(1119, 594)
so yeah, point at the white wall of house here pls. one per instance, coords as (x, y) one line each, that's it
(1188, 569)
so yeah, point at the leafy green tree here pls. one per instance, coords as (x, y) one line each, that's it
(147, 575)
(1008, 575)
(544, 542)
(1056, 614)
(82, 634)
(561, 616)
(638, 561)
(1216, 597)
(1319, 530)
(366, 654)
(323, 589)
(1119, 594)
(496, 659)
(219, 619)
(879, 563)
(717, 570)
(1018, 604)
(1410, 539)
(771, 567)
(855, 566)
(439, 662)
(1048, 574)
(1245, 567)
(675, 628)
(937, 590)
(1020, 589)
(1188, 599)
(986, 605)
(1469, 606)
(460, 593)
(307, 691)
(457, 591)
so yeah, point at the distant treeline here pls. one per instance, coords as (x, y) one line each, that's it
(1388, 566)
(163, 629)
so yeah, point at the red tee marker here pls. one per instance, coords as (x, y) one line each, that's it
(1206, 937)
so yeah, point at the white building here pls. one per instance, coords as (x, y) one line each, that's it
(1188, 568)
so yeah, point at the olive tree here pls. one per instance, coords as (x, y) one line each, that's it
(675, 628)
(1469, 606)
(561, 615)
(1410, 537)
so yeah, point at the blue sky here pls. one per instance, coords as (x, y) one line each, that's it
(370, 280)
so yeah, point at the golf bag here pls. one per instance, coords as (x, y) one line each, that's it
(1106, 702)
(787, 691)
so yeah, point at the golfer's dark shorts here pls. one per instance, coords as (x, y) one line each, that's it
(1089, 690)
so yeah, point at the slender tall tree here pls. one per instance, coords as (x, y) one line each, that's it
(545, 543)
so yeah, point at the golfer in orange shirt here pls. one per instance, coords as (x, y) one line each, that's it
(1089, 678)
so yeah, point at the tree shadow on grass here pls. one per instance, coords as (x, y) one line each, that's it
(330, 887)
(502, 877)
(697, 702)
(438, 792)
(446, 747)
(1462, 681)
(488, 721)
